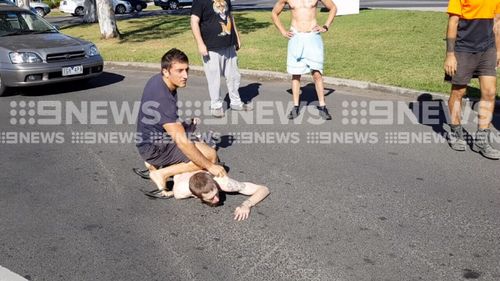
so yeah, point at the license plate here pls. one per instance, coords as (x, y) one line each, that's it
(72, 70)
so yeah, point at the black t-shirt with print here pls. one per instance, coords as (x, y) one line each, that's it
(216, 26)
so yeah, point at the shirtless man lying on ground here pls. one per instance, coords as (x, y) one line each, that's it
(206, 187)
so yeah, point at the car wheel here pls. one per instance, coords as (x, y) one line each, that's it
(79, 11)
(120, 9)
(138, 7)
(3, 88)
(173, 5)
(40, 12)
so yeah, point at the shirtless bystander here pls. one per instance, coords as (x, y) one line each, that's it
(305, 46)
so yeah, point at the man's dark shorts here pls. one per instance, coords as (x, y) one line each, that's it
(473, 65)
(161, 155)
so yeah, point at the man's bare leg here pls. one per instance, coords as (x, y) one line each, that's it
(320, 91)
(487, 102)
(455, 103)
(295, 97)
(160, 176)
(456, 139)
(207, 151)
(318, 84)
(485, 114)
(296, 89)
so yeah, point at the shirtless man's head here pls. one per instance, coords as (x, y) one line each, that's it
(203, 186)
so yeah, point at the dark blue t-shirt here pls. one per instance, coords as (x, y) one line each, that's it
(158, 107)
(216, 26)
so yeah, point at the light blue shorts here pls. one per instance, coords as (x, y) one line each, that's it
(305, 53)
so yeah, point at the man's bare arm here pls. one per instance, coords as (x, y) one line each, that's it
(176, 131)
(450, 63)
(257, 194)
(238, 39)
(195, 28)
(496, 29)
(277, 9)
(332, 8)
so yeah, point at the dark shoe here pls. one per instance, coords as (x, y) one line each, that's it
(456, 138)
(159, 194)
(294, 113)
(142, 173)
(483, 146)
(323, 112)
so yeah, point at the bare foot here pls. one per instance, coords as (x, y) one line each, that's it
(167, 194)
(158, 179)
(149, 166)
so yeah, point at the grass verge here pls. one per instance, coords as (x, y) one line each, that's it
(399, 48)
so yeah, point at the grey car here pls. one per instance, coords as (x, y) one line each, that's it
(33, 52)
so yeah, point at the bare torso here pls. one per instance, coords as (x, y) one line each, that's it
(303, 14)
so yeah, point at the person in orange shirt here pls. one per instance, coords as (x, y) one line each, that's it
(473, 50)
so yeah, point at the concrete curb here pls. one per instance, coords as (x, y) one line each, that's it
(271, 75)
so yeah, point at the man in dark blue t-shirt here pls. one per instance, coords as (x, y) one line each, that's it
(163, 144)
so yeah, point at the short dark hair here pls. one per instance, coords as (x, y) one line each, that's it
(202, 182)
(173, 55)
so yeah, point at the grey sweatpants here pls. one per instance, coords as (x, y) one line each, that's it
(222, 62)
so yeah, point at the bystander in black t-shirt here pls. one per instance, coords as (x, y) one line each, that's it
(216, 27)
(158, 107)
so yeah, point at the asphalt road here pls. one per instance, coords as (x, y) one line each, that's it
(342, 207)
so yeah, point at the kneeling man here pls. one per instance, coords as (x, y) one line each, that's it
(164, 145)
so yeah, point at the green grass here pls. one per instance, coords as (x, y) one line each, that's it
(400, 48)
(56, 13)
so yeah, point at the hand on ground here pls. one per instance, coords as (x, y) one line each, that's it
(241, 213)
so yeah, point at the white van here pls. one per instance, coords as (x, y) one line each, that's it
(76, 7)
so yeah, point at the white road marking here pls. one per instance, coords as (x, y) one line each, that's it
(7, 275)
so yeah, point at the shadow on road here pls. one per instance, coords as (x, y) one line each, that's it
(308, 94)
(247, 93)
(225, 141)
(105, 79)
(434, 113)
(425, 109)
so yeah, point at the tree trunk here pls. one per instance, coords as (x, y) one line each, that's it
(90, 11)
(107, 20)
(25, 4)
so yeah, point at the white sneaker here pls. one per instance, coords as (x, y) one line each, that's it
(218, 112)
(242, 107)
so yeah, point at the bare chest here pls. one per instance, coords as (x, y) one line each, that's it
(301, 4)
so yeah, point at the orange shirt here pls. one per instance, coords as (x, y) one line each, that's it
(474, 9)
(475, 27)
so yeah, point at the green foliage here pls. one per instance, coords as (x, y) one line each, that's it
(52, 3)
